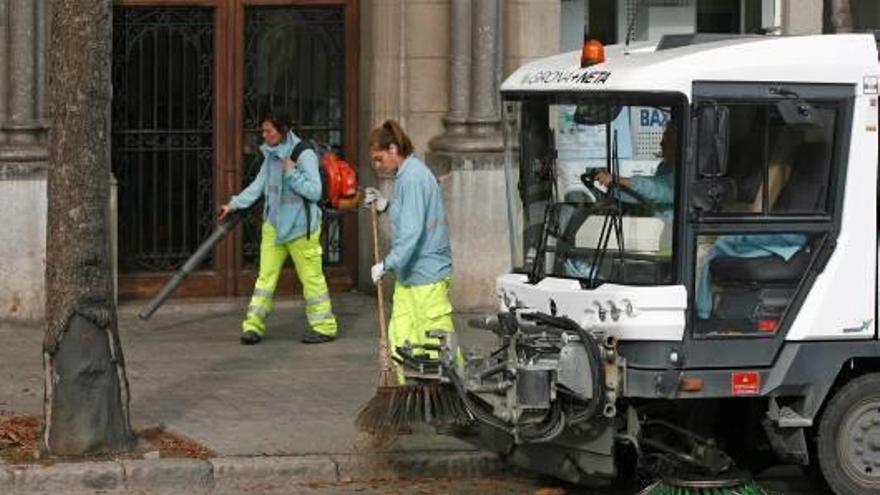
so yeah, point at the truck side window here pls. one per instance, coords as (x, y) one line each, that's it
(745, 282)
(746, 278)
(774, 167)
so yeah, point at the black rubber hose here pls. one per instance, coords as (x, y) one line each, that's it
(593, 355)
(551, 430)
(475, 409)
(558, 419)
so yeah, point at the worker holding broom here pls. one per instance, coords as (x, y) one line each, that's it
(420, 257)
(291, 226)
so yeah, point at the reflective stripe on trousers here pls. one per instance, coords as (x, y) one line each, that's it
(307, 260)
(418, 309)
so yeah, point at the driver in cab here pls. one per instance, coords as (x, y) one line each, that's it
(657, 189)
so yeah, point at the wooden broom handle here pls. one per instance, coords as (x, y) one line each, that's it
(374, 215)
(387, 375)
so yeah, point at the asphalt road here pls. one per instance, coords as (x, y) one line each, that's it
(782, 481)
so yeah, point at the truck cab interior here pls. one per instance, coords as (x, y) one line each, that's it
(777, 171)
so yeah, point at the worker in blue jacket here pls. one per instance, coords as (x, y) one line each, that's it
(420, 256)
(291, 189)
(658, 189)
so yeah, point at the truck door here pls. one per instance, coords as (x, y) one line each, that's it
(763, 222)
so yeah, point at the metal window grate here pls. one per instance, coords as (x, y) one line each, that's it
(295, 65)
(163, 133)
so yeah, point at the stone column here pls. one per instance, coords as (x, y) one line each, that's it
(383, 94)
(473, 123)
(484, 119)
(22, 120)
(23, 159)
(459, 78)
(468, 156)
(4, 71)
(801, 17)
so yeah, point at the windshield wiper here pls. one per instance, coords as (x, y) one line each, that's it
(613, 222)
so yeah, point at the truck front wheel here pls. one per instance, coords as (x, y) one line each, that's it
(848, 444)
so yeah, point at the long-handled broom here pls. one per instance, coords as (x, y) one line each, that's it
(369, 418)
(395, 407)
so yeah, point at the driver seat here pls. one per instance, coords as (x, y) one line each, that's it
(805, 192)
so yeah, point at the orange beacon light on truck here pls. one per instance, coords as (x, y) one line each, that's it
(592, 53)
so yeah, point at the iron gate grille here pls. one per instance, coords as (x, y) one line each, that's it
(295, 66)
(163, 134)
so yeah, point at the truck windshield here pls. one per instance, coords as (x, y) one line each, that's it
(591, 186)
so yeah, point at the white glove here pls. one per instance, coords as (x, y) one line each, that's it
(372, 195)
(377, 271)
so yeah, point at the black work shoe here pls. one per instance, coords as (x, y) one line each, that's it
(249, 337)
(313, 337)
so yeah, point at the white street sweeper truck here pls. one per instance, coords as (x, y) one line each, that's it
(693, 226)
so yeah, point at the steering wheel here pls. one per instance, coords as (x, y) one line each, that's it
(589, 178)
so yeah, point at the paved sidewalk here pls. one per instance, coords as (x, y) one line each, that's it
(279, 398)
(278, 416)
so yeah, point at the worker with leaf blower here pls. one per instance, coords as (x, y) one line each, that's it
(420, 256)
(290, 182)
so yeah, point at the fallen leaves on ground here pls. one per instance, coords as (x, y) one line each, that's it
(551, 491)
(172, 445)
(19, 437)
(20, 441)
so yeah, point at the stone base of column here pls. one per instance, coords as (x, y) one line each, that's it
(476, 210)
(23, 161)
(23, 170)
(467, 144)
(24, 132)
(444, 162)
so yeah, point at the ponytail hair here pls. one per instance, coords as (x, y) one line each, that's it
(390, 133)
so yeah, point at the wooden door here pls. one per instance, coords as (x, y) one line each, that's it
(190, 79)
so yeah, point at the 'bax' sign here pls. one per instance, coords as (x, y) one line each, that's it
(570, 76)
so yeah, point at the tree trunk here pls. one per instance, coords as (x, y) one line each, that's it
(86, 396)
(841, 16)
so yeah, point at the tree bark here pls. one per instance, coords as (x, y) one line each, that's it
(86, 395)
(841, 16)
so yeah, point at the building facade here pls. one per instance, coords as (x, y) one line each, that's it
(191, 79)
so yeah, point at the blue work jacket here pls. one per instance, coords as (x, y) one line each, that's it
(658, 189)
(420, 251)
(289, 194)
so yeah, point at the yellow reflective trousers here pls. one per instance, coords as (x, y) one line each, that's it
(418, 309)
(307, 260)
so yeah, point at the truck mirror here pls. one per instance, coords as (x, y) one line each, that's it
(710, 194)
(795, 111)
(596, 113)
(713, 139)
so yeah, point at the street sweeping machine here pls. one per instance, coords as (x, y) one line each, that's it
(693, 229)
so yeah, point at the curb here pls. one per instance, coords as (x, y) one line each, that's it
(168, 475)
(5, 480)
(267, 474)
(66, 477)
(228, 475)
(446, 464)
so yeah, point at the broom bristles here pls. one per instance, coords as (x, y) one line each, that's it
(394, 410)
(670, 488)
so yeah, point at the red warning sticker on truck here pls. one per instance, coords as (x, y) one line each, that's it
(745, 383)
